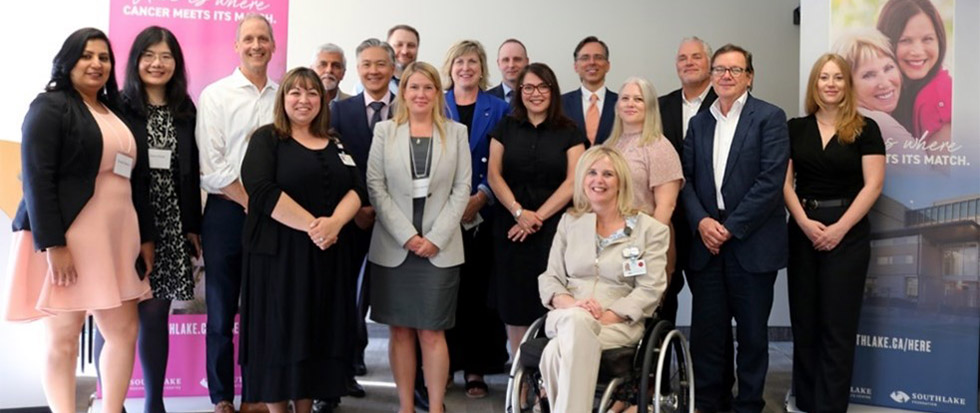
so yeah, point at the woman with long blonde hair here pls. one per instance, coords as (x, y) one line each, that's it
(835, 174)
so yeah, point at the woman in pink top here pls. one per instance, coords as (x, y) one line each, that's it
(79, 229)
(918, 38)
(654, 165)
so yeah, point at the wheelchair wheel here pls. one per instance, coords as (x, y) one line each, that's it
(676, 381)
(673, 384)
(524, 395)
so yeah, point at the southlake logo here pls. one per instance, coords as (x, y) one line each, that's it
(861, 392)
(926, 399)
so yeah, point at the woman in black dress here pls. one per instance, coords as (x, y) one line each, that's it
(532, 164)
(296, 315)
(837, 163)
(161, 114)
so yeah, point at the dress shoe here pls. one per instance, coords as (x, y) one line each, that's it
(354, 389)
(324, 406)
(254, 408)
(224, 406)
(359, 368)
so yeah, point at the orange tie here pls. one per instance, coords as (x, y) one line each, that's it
(592, 118)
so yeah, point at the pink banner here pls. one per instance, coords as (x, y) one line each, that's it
(205, 29)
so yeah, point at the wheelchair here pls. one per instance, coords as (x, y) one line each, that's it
(661, 363)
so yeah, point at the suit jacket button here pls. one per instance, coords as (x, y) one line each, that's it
(484, 160)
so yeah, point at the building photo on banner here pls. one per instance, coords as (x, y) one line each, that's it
(919, 332)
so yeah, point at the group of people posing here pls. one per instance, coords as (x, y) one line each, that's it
(458, 214)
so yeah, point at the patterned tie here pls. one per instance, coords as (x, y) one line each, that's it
(376, 106)
(592, 118)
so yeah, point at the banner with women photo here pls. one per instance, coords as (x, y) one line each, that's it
(919, 334)
(207, 33)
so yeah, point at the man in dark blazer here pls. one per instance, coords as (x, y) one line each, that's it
(511, 60)
(591, 63)
(676, 110)
(734, 161)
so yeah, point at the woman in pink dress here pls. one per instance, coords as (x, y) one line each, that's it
(77, 231)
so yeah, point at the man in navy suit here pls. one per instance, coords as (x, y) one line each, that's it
(511, 60)
(591, 106)
(734, 160)
(354, 120)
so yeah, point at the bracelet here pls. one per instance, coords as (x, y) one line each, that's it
(517, 214)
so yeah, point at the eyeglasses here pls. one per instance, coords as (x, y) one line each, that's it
(542, 88)
(598, 58)
(150, 57)
(734, 70)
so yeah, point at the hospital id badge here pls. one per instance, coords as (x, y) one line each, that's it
(632, 268)
(160, 158)
(347, 159)
(124, 165)
(420, 188)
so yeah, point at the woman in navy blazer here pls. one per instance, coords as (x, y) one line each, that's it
(161, 114)
(77, 240)
(477, 345)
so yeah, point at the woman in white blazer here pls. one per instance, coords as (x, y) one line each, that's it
(605, 276)
(419, 183)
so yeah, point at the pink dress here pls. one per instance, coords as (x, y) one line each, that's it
(104, 242)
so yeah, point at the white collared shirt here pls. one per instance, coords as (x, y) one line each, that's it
(586, 94)
(725, 126)
(368, 100)
(230, 109)
(689, 108)
(507, 90)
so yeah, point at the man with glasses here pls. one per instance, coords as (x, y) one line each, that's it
(592, 106)
(734, 161)
(511, 59)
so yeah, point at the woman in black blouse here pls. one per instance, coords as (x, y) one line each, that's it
(837, 163)
(296, 312)
(532, 166)
(161, 114)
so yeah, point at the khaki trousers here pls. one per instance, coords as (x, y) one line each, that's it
(570, 362)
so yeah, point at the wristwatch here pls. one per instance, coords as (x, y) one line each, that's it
(517, 214)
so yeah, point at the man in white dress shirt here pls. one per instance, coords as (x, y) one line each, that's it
(230, 109)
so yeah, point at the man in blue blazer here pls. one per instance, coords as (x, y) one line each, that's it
(511, 60)
(592, 106)
(353, 119)
(734, 160)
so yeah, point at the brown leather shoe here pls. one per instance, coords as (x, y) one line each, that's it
(224, 406)
(254, 408)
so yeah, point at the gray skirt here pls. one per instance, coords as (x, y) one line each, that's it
(415, 294)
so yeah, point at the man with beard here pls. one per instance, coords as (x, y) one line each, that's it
(331, 65)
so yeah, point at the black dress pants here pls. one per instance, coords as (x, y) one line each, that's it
(825, 293)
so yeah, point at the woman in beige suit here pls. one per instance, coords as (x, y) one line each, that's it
(419, 183)
(605, 276)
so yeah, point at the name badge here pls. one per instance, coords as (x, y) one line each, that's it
(160, 158)
(420, 188)
(477, 220)
(124, 165)
(347, 159)
(632, 268)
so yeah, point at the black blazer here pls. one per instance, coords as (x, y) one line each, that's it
(498, 91)
(671, 115)
(187, 177)
(571, 103)
(672, 112)
(61, 150)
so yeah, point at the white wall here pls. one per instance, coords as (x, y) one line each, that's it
(642, 36)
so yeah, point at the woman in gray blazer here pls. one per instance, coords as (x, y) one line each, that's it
(419, 183)
(605, 276)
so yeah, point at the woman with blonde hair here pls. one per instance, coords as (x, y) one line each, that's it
(605, 277)
(419, 183)
(477, 345)
(835, 174)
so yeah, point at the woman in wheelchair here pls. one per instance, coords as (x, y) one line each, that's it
(605, 276)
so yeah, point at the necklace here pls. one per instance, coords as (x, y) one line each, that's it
(420, 171)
